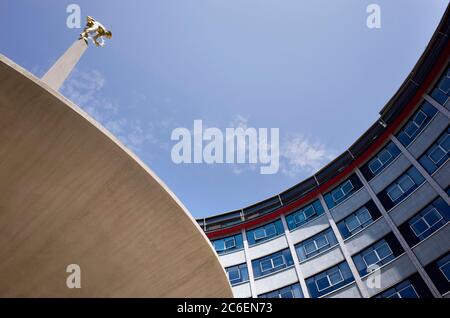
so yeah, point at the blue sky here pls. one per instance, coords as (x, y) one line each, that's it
(311, 68)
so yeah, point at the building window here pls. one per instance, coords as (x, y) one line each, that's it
(416, 123)
(304, 215)
(342, 191)
(272, 263)
(237, 274)
(437, 154)
(358, 220)
(401, 188)
(380, 161)
(441, 91)
(377, 254)
(329, 280)
(228, 244)
(426, 222)
(265, 232)
(292, 291)
(402, 290)
(439, 272)
(316, 244)
(444, 267)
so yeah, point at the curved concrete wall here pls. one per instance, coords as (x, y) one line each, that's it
(70, 193)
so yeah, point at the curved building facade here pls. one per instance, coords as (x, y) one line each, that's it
(372, 223)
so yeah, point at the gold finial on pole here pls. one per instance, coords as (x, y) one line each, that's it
(95, 30)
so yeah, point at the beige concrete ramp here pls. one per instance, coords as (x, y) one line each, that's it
(71, 194)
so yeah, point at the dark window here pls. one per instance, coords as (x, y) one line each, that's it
(426, 222)
(358, 220)
(329, 280)
(237, 274)
(413, 287)
(265, 232)
(292, 291)
(439, 272)
(228, 244)
(342, 191)
(272, 263)
(441, 91)
(437, 154)
(380, 161)
(303, 215)
(416, 123)
(401, 188)
(377, 254)
(316, 244)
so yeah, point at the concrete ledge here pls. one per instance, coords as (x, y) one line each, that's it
(348, 291)
(242, 290)
(433, 246)
(390, 173)
(267, 248)
(310, 229)
(442, 175)
(392, 273)
(355, 201)
(232, 259)
(367, 236)
(322, 261)
(434, 128)
(416, 201)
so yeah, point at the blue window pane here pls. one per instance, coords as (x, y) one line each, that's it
(370, 258)
(335, 277)
(445, 269)
(419, 227)
(408, 292)
(323, 283)
(384, 251)
(266, 265)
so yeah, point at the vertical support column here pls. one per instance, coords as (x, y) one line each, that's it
(59, 72)
(300, 276)
(251, 276)
(348, 258)
(399, 237)
(422, 171)
(438, 106)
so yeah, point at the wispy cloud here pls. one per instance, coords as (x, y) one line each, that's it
(300, 155)
(84, 88)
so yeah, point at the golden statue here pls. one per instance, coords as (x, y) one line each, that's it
(95, 30)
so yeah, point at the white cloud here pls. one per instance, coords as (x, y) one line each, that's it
(300, 155)
(84, 88)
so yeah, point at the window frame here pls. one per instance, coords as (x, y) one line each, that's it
(235, 268)
(397, 292)
(375, 251)
(439, 146)
(398, 185)
(315, 244)
(340, 189)
(443, 273)
(417, 126)
(273, 267)
(355, 214)
(377, 158)
(424, 220)
(327, 276)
